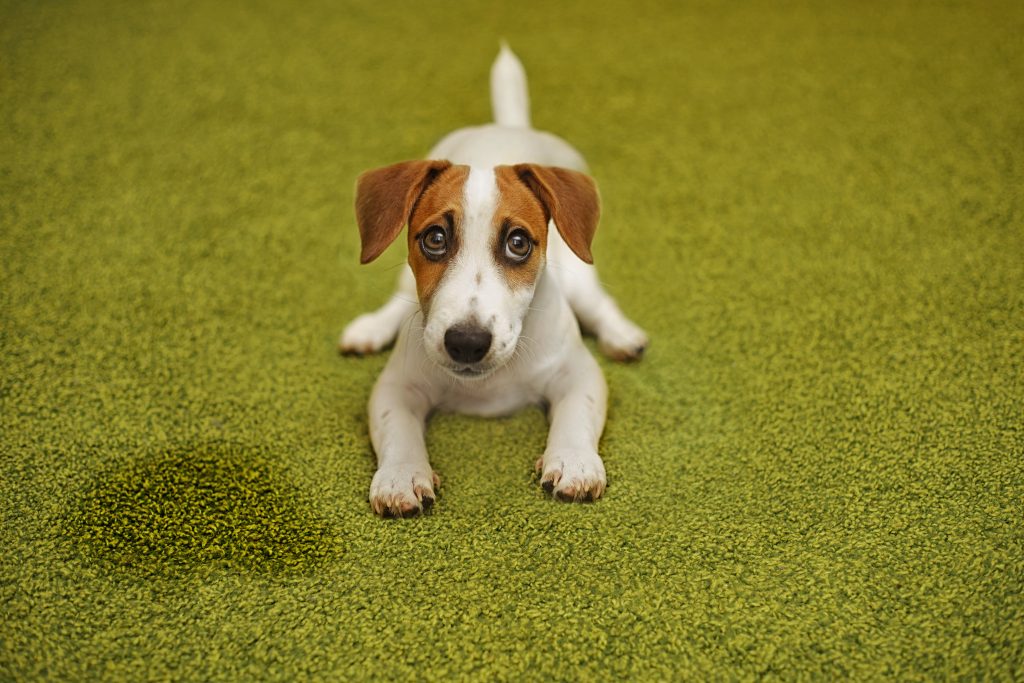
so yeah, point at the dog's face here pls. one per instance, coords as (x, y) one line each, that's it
(477, 244)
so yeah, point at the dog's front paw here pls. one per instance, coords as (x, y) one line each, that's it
(622, 340)
(403, 490)
(366, 334)
(572, 475)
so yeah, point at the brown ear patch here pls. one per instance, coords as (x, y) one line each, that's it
(385, 198)
(571, 200)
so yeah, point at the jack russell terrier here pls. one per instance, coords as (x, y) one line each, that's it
(493, 327)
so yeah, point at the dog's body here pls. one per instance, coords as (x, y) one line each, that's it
(499, 294)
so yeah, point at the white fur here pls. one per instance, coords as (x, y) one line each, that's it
(510, 98)
(537, 355)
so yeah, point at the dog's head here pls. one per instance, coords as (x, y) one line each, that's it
(477, 246)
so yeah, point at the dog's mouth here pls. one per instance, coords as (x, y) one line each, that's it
(463, 356)
(470, 371)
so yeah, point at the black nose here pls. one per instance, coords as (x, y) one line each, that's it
(466, 343)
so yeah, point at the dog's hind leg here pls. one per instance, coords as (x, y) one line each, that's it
(371, 332)
(618, 337)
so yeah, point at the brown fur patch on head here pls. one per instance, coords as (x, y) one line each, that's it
(518, 207)
(440, 204)
(384, 201)
(571, 200)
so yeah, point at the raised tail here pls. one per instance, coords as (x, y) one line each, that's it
(510, 98)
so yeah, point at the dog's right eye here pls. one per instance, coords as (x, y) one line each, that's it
(434, 242)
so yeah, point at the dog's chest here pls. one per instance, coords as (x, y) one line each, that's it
(493, 397)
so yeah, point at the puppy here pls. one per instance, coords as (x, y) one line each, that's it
(486, 312)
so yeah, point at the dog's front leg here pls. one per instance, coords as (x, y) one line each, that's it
(571, 469)
(404, 482)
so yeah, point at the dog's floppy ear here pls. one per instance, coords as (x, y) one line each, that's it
(571, 201)
(385, 198)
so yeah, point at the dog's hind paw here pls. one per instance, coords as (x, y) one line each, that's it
(622, 341)
(572, 475)
(403, 490)
(369, 333)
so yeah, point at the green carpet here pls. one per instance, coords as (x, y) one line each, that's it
(818, 470)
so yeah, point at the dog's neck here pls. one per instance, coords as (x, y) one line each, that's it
(548, 310)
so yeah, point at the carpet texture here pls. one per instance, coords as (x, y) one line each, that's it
(815, 209)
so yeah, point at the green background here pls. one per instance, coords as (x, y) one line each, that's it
(815, 210)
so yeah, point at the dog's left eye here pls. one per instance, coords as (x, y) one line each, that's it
(434, 242)
(518, 245)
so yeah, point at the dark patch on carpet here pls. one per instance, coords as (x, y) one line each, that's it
(213, 503)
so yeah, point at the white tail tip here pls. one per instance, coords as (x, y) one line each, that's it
(510, 97)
